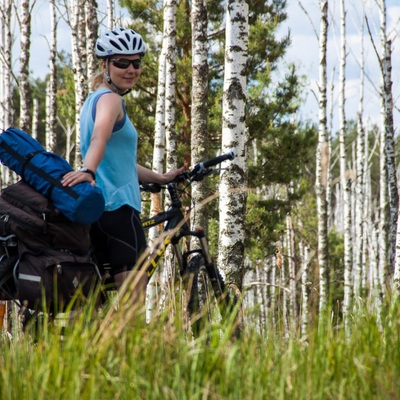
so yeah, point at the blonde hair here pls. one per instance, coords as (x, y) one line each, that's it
(96, 80)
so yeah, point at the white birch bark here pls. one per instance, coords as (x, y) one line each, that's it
(170, 82)
(5, 63)
(158, 166)
(76, 19)
(51, 115)
(110, 14)
(233, 182)
(5, 73)
(360, 174)
(322, 164)
(387, 118)
(384, 223)
(344, 176)
(291, 256)
(35, 118)
(92, 27)
(199, 111)
(25, 44)
(169, 35)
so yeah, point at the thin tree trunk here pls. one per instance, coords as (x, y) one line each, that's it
(5, 63)
(51, 115)
(388, 129)
(110, 14)
(345, 180)
(291, 270)
(158, 166)
(24, 88)
(233, 183)
(322, 165)
(170, 82)
(359, 266)
(92, 27)
(199, 113)
(79, 66)
(170, 104)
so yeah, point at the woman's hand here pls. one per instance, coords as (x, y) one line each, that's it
(74, 177)
(172, 174)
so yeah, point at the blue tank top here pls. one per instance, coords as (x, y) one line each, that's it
(117, 174)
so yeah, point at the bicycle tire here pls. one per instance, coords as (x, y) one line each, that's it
(205, 295)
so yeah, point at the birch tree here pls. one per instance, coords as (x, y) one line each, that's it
(51, 115)
(169, 36)
(233, 182)
(6, 105)
(388, 137)
(92, 27)
(76, 20)
(158, 166)
(345, 179)
(322, 163)
(25, 44)
(199, 112)
(361, 163)
(5, 62)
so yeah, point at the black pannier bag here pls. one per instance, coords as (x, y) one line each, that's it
(51, 278)
(54, 253)
(35, 221)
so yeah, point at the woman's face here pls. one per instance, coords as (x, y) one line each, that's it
(123, 73)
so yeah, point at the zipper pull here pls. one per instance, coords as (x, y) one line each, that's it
(59, 269)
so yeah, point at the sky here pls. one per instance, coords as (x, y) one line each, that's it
(304, 52)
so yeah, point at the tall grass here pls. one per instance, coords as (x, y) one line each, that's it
(110, 356)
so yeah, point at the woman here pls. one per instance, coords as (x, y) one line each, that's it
(109, 150)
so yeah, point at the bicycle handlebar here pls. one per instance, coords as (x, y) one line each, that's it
(197, 173)
(212, 162)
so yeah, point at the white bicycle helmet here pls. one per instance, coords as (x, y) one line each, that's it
(119, 41)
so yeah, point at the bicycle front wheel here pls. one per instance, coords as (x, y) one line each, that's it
(206, 293)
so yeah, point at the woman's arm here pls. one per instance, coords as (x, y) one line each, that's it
(108, 112)
(149, 176)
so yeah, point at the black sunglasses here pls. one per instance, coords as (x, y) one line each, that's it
(124, 63)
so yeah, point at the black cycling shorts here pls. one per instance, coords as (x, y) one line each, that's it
(118, 239)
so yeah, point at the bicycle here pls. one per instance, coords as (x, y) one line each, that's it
(206, 289)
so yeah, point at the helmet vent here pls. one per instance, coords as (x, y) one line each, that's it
(116, 44)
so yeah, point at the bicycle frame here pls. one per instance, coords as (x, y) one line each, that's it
(175, 229)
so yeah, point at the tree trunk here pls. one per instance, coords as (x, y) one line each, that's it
(199, 113)
(359, 266)
(158, 166)
(170, 104)
(322, 165)
(5, 63)
(92, 27)
(51, 115)
(345, 179)
(24, 88)
(233, 184)
(170, 82)
(388, 132)
(79, 67)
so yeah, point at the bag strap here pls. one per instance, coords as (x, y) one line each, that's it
(26, 163)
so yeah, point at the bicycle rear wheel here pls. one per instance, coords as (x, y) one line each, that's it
(206, 296)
